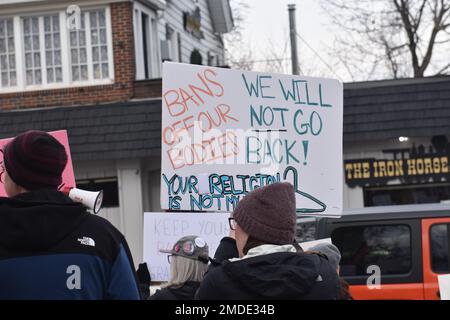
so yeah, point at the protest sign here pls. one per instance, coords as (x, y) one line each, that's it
(444, 286)
(233, 131)
(68, 175)
(162, 230)
(309, 244)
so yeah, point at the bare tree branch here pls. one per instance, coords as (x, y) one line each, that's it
(238, 53)
(403, 34)
(442, 71)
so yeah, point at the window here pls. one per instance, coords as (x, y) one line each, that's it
(387, 246)
(146, 43)
(37, 51)
(179, 47)
(172, 38)
(52, 41)
(42, 48)
(32, 50)
(439, 246)
(78, 52)
(211, 58)
(8, 75)
(89, 48)
(196, 57)
(109, 186)
(99, 44)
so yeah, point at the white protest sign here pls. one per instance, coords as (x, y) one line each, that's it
(444, 286)
(309, 244)
(245, 130)
(162, 230)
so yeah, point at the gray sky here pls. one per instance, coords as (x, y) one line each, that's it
(266, 29)
(266, 32)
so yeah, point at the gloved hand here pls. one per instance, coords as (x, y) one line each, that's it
(144, 279)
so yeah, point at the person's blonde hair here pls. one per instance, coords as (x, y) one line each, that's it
(184, 269)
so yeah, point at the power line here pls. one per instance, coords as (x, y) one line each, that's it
(320, 58)
(276, 59)
(269, 60)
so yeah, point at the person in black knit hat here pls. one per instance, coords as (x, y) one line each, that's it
(33, 160)
(50, 246)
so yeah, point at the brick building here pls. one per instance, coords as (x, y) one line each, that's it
(93, 67)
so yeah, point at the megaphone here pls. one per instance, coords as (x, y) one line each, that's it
(90, 199)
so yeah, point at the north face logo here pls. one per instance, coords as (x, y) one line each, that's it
(86, 241)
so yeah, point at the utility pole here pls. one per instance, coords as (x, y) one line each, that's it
(293, 34)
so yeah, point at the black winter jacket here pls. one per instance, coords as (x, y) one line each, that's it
(282, 275)
(51, 248)
(186, 292)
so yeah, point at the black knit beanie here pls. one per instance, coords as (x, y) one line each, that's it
(35, 160)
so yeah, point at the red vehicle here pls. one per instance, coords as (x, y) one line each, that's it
(409, 244)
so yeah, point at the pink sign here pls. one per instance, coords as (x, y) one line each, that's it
(68, 175)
